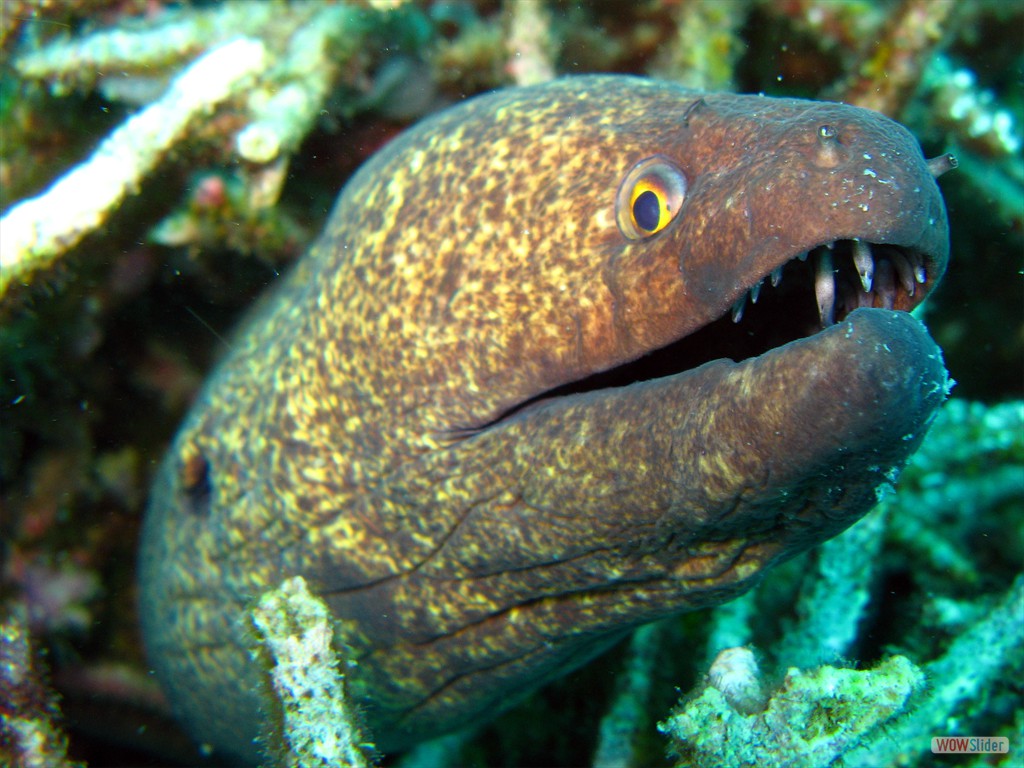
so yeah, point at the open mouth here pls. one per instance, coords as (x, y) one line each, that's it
(808, 293)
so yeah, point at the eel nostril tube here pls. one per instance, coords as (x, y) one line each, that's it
(941, 164)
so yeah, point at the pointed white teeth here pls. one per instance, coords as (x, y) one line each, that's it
(825, 287)
(864, 263)
(753, 293)
(738, 307)
(905, 272)
(881, 271)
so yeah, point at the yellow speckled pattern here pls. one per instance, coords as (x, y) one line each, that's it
(366, 431)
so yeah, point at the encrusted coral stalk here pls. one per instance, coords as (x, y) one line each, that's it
(531, 46)
(36, 231)
(320, 727)
(284, 113)
(891, 68)
(82, 60)
(834, 595)
(955, 681)
(28, 735)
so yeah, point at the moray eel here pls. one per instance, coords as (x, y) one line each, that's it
(566, 359)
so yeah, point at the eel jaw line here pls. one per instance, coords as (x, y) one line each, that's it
(808, 293)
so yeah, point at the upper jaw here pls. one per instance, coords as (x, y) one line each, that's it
(874, 220)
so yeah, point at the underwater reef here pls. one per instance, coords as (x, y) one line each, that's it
(162, 163)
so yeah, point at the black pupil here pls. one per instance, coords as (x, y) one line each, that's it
(646, 211)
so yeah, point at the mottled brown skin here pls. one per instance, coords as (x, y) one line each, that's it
(363, 433)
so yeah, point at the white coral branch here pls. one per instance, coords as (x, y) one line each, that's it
(37, 230)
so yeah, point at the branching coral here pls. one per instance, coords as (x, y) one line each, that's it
(834, 595)
(890, 69)
(616, 744)
(829, 716)
(531, 43)
(279, 82)
(968, 474)
(37, 230)
(706, 46)
(957, 683)
(967, 478)
(141, 46)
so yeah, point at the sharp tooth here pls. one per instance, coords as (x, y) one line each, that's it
(904, 272)
(755, 292)
(864, 263)
(825, 287)
(917, 265)
(776, 276)
(737, 307)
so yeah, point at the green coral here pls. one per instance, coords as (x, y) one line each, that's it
(618, 735)
(706, 46)
(814, 717)
(834, 595)
(959, 685)
(967, 478)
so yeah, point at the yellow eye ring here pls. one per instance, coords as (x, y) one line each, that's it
(649, 197)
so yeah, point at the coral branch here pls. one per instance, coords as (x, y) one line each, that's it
(888, 73)
(320, 726)
(955, 682)
(834, 595)
(623, 722)
(36, 231)
(309, 67)
(28, 736)
(530, 43)
(81, 61)
(971, 461)
(730, 624)
(706, 46)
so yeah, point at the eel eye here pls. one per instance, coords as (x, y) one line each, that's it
(649, 197)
